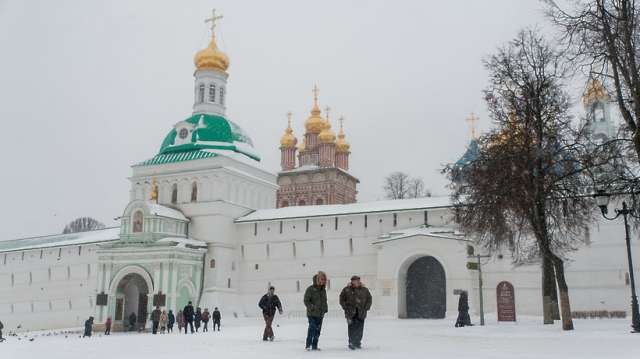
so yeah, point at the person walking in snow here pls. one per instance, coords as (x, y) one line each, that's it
(180, 319)
(2, 326)
(463, 310)
(164, 318)
(88, 326)
(355, 300)
(155, 318)
(268, 303)
(187, 313)
(315, 299)
(107, 326)
(216, 319)
(171, 319)
(197, 318)
(205, 319)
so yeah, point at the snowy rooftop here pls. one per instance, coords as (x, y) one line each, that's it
(162, 211)
(398, 205)
(183, 242)
(59, 240)
(423, 230)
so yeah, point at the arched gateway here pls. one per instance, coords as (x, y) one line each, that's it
(426, 289)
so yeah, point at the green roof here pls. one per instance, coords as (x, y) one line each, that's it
(210, 132)
(177, 157)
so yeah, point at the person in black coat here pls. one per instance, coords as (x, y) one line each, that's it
(216, 319)
(197, 318)
(188, 313)
(88, 325)
(132, 321)
(268, 303)
(463, 310)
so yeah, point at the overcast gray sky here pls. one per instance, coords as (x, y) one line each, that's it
(89, 88)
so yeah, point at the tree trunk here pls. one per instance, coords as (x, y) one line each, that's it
(567, 321)
(548, 291)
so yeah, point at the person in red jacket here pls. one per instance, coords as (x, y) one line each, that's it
(107, 326)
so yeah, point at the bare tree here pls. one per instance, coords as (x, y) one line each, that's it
(83, 224)
(605, 36)
(398, 185)
(524, 192)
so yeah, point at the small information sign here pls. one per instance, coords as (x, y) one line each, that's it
(505, 297)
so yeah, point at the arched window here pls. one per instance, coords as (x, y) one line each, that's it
(174, 194)
(598, 112)
(302, 203)
(201, 93)
(222, 96)
(212, 93)
(213, 263)
(284, 204)
(194, 192)
(319, 202)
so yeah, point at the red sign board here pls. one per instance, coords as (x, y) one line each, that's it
(506, 299)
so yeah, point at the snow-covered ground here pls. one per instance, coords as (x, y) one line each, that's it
(384, 338)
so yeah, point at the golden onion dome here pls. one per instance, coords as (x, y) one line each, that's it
(341, 144)
(314, 123)
(303, 145)
(288, 140)
(327, 136)
(211, 58)
(595, 92)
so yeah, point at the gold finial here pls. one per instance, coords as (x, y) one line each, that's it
(327, 109)
(213, 23)
(315, 92)
(341, 120)
(289, 114)
(154, 188)
(288, 140)
(341, 144)
(473, 120)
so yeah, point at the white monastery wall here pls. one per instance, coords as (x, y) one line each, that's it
(48, 288)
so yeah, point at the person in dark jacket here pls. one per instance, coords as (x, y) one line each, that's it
(463, 310)
(197, 318)
(155, 318)
(268, 303)
(355, 300)
(107, 326)
(2, 326)
(315, 299)
(216, 319)
(132, 321)
(88, 325)
(172, 319)
(187, 313)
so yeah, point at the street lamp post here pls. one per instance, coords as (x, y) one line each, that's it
(602, 200)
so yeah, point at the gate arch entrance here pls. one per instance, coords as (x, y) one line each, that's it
(426, 289)
(132, 294)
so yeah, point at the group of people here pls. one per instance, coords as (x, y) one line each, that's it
(355, 300)
(189, 317)
(162, 320)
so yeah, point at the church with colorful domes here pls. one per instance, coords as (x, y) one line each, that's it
(207, 223)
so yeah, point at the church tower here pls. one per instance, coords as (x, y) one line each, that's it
(596, 104)
(321, 176)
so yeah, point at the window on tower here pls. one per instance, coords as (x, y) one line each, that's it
(174, 194)
(222, 95)
(598, 112)
(212, 93)
(194, 192)
(201, 93)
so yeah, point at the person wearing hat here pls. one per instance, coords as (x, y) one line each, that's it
(188, 313)
(315, 299)
(268, 303)
(355, 300)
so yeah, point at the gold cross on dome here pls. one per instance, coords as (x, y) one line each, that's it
(341, 120)
(315, 91)
(289, 114)
(473, 120)
(327, 109)
(213, 22)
